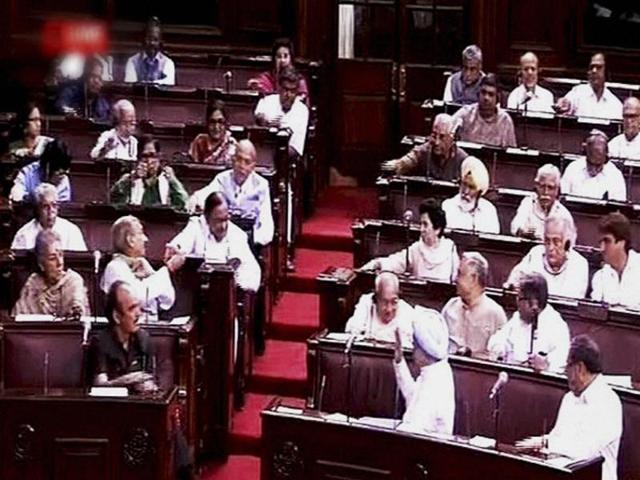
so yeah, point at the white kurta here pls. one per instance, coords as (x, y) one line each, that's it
(365, 322)
(125, 148)
(155, 292)
(439, 263)
(196, 239)
(70, 235)
(577, 181)
(571, 280)
(169, 69)
(620, 147)
(607, 286)
(584, 103)
(430, 398)
(483, 218)
(552, 337)
(541, 99)
(531, 215)
(589, 426)
(296, 119)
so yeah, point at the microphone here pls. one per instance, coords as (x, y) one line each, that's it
(323, 384)
(350, 342)
(228, 76)
(407, 216)
(503, 379)
(97, 255)
(528, 96)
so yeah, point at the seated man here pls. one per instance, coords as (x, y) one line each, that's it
(594, 176)
(247, 193)
(151, 64)
(564, 269)
(286, 110)
(535, 320)
(438, 158)
(485, 122)
(52, 290)
(46, 210)
(83, 97)
(430, 399)
(589, 422)
(153, 288)
(535, 209)
(379, 314)
(627, 144)
(52, 167)
(150, 183)
(463, 86)
(529, 96)
(592, 99)
(119, 142)
(616, 283)
(433, 256)
(472, 317)
(213, 236)
(122, 352)
(468, 210)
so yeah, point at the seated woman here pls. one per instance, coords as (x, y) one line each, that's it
(149, 183)
(217, 146)
(28, 140)
(433, 256)
(282, 57)
(52, 290)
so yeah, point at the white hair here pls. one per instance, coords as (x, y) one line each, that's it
(45, 190)
(446, 120)
(548, 170)
(472, 52)
(479, 265)
(120, 230)
(120, 106)
(569, 231)
(387, 278)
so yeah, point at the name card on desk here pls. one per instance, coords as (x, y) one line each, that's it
(594, 310)
(469, 145)
(594, 120)
(113, 392)
(522, 151)
(534, 114)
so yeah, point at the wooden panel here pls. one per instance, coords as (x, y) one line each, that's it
(80, 459)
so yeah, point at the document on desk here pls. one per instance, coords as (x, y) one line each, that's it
(117, 392)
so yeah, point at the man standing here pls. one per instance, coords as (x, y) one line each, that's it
(119, 142)
(529, 96)
(627, 144)
(464, 86)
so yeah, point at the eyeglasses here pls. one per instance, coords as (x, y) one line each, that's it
(148, 155)
(217, 121)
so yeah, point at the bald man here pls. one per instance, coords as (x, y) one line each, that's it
(627, 144)
(437, 158)
(119, 142)
(247, 194)
(529, 95)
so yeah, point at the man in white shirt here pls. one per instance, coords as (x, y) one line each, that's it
(430, 398)
(213, 236)
(468, 210)
(46, 206)
(151, 65)
(594, 176)
(593, 99)
(535, 209)
(464, 86)
(564, 269)
(627, 144)
(616, 283)
(286, 110)
(153, 288)
(529, 96)
(589, 422)
(536, 334)
(119, 142)
(247, 193)
(377, 315)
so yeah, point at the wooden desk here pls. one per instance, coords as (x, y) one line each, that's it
(304, 445)
(67, 435)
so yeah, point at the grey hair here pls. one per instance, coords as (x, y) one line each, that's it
(387, 278)
(548, 170)
(120, 106)
(567, 225)
(122, 228)
(479, 265)
(446, 120)
(43, 191)
(472, 52)
(594, 135)
(44, 239)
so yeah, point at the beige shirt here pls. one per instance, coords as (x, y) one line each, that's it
(498, 131)
(472, 326)
(61, 300)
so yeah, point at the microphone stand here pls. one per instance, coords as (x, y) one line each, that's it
(534, 328)
(496, 418)
(349, 365)
(526, 125)
(407, 268)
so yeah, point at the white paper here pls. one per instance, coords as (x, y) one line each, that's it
(180, 320)
(521, 151)
(119, 392)
(482, 442)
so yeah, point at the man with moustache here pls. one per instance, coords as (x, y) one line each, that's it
(530, 96)
(463, 86)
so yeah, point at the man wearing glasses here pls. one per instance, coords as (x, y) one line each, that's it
(627, 144)
(119, 142)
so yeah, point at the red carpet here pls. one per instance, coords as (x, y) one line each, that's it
(325, 242)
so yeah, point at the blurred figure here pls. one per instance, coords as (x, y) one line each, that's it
(530, 96)
(627, 144)
(151, 64)
(217, 146)
(119, 142)
(83, 97)
(28, 132)
(464, 86)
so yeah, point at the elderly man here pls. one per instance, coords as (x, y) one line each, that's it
(564, 269)
(627, 144)
(286, 110)
(616, 283)
(529, 96)
(535, 209)
(593, 99)
(119, 142)
(52, 290)
(536, 333)
(472, 317)
(377, 315)
(485, 122)
(247, 193)
(468, 210)
(213, 236)
(430, 398)
(589, 422)
(151, 65)
(464, 86)
(153, 288)
(46, 206)
(52, 167)
(438, 158)
(594, 176)
(84, 96)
